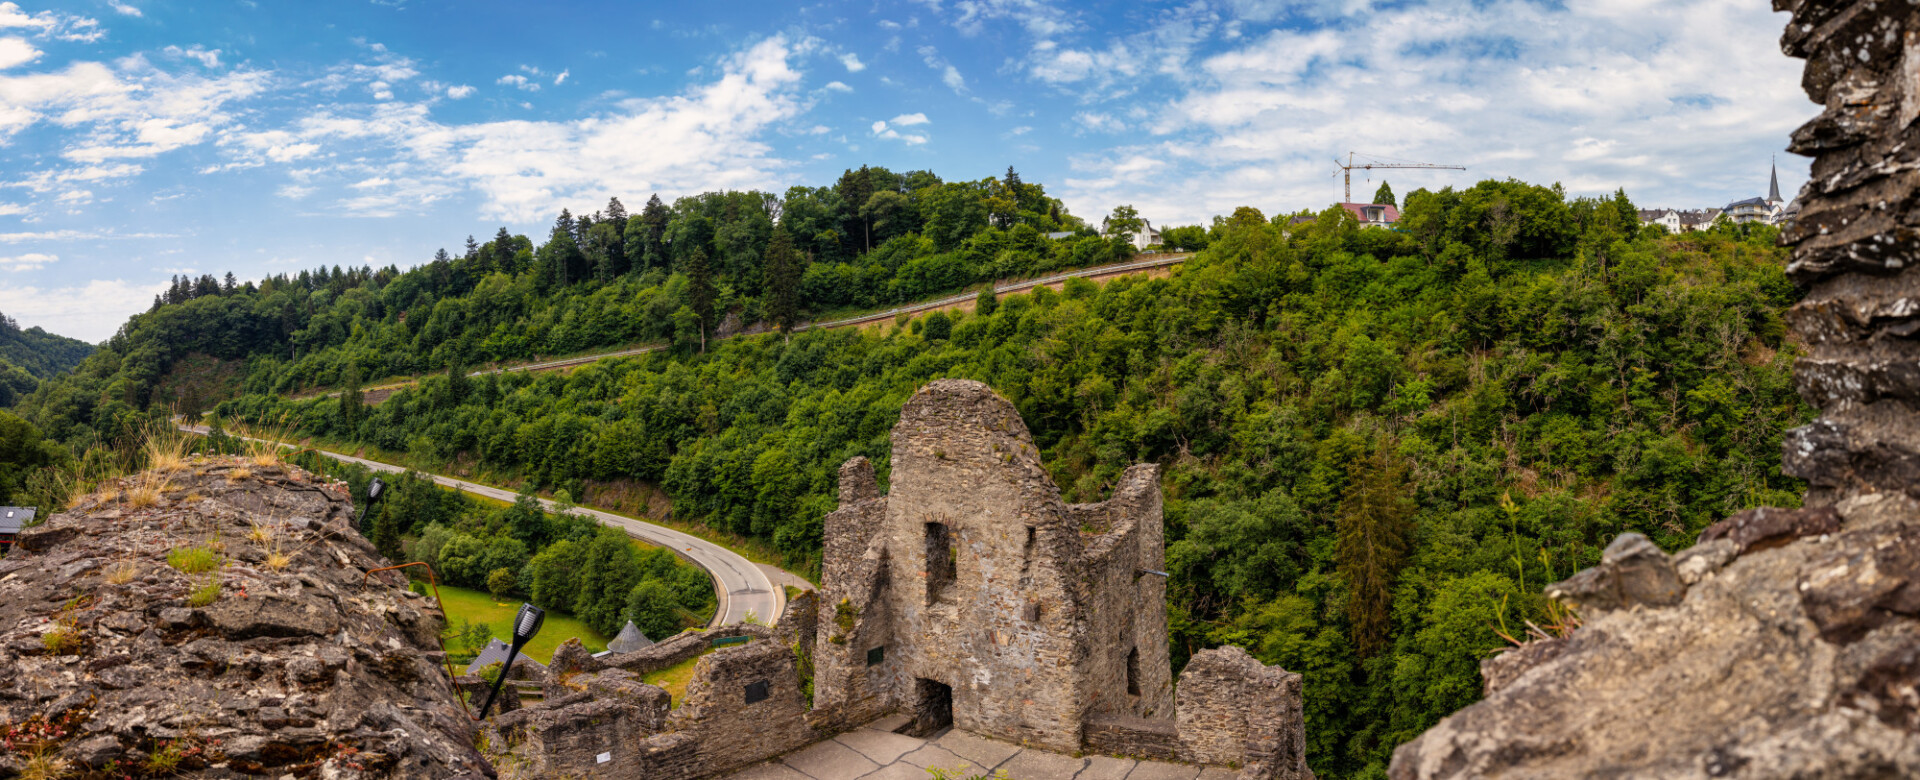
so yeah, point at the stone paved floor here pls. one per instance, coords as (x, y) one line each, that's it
(876, 753)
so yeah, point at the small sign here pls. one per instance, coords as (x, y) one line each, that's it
(756, 691)
(876, 655)
(723, 641)
(603, 758)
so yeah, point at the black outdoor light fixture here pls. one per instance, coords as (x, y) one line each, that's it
(373, 494)
(525, 625)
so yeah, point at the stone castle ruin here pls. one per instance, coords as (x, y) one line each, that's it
(970, 596)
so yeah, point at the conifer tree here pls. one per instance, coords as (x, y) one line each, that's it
(1374, 528)
(1384, 195)
(784, 269)
(700, 292)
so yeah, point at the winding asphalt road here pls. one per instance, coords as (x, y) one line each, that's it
(740, 586)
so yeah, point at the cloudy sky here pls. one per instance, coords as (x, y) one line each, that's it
(143, 138)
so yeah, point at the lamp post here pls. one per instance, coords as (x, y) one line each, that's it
(525, 625)
(374, 489)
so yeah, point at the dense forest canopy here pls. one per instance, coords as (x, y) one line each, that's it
(704, 265)
(30, 355)
(1377, 445)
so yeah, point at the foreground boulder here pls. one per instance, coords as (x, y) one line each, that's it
(256, 650)
(1792, 660)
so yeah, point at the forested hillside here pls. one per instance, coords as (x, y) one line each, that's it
(1378, 445)
(681, 273)
(28, 356)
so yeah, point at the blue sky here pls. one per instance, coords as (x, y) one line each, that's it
(143, 138)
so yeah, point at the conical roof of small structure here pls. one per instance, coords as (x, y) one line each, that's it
(629, 640)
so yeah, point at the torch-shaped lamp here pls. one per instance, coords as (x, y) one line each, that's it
(525, 625)
(374, 489)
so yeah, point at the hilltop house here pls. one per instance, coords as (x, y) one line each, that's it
(1148, 235)
(1373, 214)
(1680, 221)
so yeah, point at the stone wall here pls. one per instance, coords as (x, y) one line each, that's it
(1234, 710)
(974, 575)
(744, 704)
(1856, 247)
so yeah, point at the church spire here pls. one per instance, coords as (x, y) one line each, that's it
(1773, 187)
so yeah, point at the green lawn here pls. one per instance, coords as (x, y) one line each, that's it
(675, 678)
(479, 607)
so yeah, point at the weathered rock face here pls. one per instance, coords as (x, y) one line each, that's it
(290, 668)
(1786, 643)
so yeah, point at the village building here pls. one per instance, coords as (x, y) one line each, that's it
(1373, 214)
(12, 520)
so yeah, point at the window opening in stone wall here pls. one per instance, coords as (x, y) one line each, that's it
(756, 691)
(941, 570)
(1133, 672)
(876, 655)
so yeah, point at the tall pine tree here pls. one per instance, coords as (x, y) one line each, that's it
(701, 292)
(784, 266)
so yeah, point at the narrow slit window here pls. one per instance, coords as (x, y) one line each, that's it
(941, 568)
(1133, 672)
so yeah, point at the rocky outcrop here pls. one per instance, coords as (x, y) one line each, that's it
(214, 620)
(1786, 642)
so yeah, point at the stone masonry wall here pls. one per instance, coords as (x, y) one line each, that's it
(733, 731)
(1856, 246)
(1126, 605)
(1233, 710)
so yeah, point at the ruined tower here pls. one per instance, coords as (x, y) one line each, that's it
(971, 594)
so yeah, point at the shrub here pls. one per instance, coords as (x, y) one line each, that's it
(193, 560)
(205, 594)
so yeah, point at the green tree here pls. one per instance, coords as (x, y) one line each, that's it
(785, 267)
(500, 582)
(1123, 224)
(1384, 195)
(652, 607)
(701, 292)
(1374, 527)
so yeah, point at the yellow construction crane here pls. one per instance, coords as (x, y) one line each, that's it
(1347, 167)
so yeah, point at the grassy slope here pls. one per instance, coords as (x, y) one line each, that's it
(478, 607)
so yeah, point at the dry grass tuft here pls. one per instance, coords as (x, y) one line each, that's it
(43, 765)
(261, 533)
(278, 561)
(167, 449)
(122, 573)
(238, 474)
(144, 495)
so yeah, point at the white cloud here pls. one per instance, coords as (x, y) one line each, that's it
(1037, 17)
(11, 209)
(835, 86)
(129, 111)
(124, 9)
(852, 62)
(909, 120)
(208, 58)
(1594, 96)
(293, 191)
(518, 82)
(562, 78)
(880, 129)
(16, 51)
(89, 312)
(948, 73)
(30, 261)
(460, 92)
(49, 24)
(705, 138)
